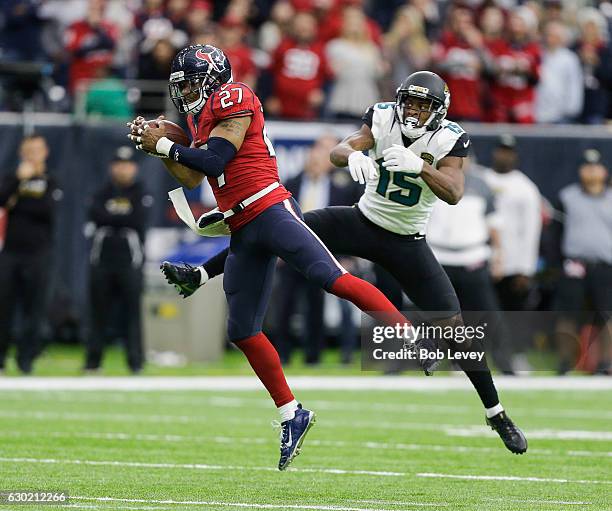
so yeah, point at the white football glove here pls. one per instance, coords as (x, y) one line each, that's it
(401, 158)
(361, 167)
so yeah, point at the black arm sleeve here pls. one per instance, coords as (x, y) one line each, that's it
(461, 147)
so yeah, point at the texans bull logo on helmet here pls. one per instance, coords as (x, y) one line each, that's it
(215, 58)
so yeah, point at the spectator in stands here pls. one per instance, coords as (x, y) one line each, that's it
(119, 213)
(516, 70)
(91, 43)
(405, 47)
(299, 71)
(318, 186)
(595, 54)
(155, 65)
(199, 17)
(430, 10)
(20, 30)
(275, 29)
(518, 204)
(150, 9)
(178, 12)
(232, 32)
(107, 96)
(357, 66)
(29, 197)
(333, 21)
(586, 248)
(559, 94)
(459, 58)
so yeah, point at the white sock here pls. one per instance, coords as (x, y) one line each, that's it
(203, 275)
(491, 412)
(287, 412)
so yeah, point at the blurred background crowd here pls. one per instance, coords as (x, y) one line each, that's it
(545, 61)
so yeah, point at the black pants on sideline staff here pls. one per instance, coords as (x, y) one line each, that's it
(23, 287)
(108, 286)
(476, 292)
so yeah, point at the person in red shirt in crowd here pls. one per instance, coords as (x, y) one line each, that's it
(515, 69)
(231, 38)
(459, 56)
(91, 43)
(331, 21)
(299, 70)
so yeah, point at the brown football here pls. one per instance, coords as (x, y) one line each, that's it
(174, 132)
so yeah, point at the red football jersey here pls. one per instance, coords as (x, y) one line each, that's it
(254, 166)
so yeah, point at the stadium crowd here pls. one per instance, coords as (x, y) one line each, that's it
(504, 60)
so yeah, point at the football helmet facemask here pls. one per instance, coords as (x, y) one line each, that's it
(421, 85)
(197, 72)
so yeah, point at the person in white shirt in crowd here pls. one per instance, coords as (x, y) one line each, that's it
(518, 203)
(357, 65)
(465, 240)
(560, 91)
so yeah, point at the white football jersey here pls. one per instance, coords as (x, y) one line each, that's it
(401, 202)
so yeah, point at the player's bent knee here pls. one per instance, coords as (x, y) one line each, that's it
(324, 274)
(460, 342)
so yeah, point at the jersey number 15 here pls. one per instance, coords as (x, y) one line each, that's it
(399, 179)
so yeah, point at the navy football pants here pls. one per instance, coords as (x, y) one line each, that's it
(249, 268)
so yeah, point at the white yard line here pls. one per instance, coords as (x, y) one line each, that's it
(544, 434)
(510, 478)
(325, 443)
(543, 501)
(264, 403)
(338, 471)
(365, 382)
(247, 505)
(94, 506)
(199, 466)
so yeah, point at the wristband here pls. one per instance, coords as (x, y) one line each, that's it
(163, 146)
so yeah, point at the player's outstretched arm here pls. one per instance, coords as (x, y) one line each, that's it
(361, 140)
(447, 180)
(210, 159)
(349, 152)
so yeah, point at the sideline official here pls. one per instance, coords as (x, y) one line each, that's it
(119, 212)
(29, 197)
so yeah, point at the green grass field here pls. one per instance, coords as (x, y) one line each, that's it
(392, 450)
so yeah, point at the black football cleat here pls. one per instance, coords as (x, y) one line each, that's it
(429, 365)
(186, 279)
(292, 435)
(513, 437)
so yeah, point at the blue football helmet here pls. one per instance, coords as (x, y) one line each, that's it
(197, 72)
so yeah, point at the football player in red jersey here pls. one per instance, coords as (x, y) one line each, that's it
(231, 149)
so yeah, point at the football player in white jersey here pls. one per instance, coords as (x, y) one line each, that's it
(414, 157)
